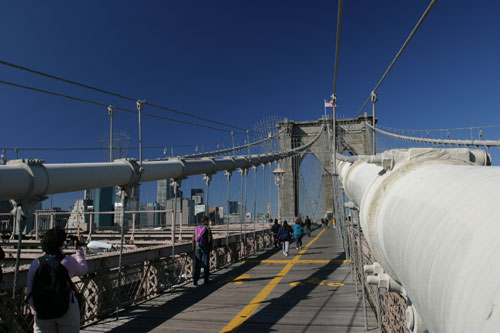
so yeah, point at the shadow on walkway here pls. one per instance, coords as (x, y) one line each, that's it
(277, 308)
(147, 317)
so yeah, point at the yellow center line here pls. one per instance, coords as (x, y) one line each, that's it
(303, 261)
(255, 303)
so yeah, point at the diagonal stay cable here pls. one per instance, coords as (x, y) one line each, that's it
(116, 95)
(337, 43)
(114, 107)
(419, 23)
(194, 116)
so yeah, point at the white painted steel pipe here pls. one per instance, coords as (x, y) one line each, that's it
(433, 225)
(20, 181)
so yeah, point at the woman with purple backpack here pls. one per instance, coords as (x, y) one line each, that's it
(202, 245)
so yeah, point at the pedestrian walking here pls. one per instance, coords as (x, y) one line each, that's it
(308, 226)
(202, 245)
(51, 294)
(275, 228)
(298, 233)
(285, 236)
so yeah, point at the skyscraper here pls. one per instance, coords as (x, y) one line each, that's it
(197, 196)
(104, 202)
(165, 191)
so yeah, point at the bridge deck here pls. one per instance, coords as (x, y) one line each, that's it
(308, 291)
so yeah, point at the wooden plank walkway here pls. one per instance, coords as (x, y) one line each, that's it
(308, 291)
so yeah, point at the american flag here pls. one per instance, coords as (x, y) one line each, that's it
(328, 104)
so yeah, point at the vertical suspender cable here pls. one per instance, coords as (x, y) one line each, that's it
(374, 100)
(110, 112)
(232, 137)
(139, 108)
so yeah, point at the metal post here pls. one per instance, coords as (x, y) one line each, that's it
(279, 203)
(334, 134)
(91, 226)
(254, 206)
(264, 192)
(374, 99)
(51, 220)
(334, 161)
(124, 200)
(18, 216)
(351, 247)
(269, 205)
(36, 225)
(78, 216)
(245, 211)
(174, 212)
(379, 312)
(241, 214)
(110, 112)
(180, 215)
(207, 178)
(228, 176)
(133, 227)
(139, 108)
(360, 247)
(180, 221)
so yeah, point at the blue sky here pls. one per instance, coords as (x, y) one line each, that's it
(239, 62)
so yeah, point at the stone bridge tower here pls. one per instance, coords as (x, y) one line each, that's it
(354, 136)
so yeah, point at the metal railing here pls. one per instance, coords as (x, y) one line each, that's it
(146, 273)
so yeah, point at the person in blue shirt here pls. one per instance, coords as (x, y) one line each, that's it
(298, 233)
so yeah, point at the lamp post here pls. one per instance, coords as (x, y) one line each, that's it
(278, 180)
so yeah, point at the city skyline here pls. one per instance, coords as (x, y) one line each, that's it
(240, 63)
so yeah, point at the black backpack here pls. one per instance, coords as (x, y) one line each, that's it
(51, 288)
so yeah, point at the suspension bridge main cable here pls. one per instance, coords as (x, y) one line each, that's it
(402, 130)
(118, 95)
(450, 142)
(85, 148)
(419, 23)
(233, 149)
(115, 107)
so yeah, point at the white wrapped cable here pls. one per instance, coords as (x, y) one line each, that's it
(432, 224)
